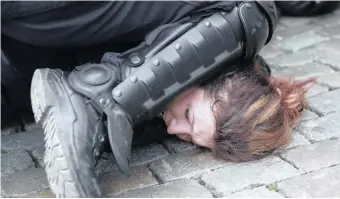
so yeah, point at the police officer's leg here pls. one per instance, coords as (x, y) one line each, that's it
(98, 104)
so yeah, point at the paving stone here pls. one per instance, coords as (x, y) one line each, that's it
(146, 154)
(333, 32)
(236, 177)
(324, 128)
(258, 192)
(283, 34)
(330, 80)
(308, 115)
(280, 26)
(176, 189)
(329, 47)
(295, 22)
(42, 194)
(175, 145)
(328, 20)
(27, 140)
(316, 89)
(185, 165)
(324, 183)
(114, 183)
(21, 184)
(332, 59)
(300, 41)
(315, 156)
(297, 140)
(15, 160)
(325, 103)
(269, 51)
(38, 155)
(305, 71)
(302, 57)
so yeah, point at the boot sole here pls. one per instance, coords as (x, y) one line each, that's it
(50, 101)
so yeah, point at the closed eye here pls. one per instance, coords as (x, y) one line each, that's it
(187, 114)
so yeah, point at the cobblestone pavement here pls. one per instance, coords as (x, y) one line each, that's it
(308, 167)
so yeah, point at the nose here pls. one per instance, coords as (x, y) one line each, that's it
(179, 127)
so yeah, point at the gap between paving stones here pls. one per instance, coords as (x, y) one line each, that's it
(318, 61)
(183, 188)
(202, 183)
(258, 192)
(277, 182)
(238, 177)
(154, 175)
(304, 174)
(289, 162)
(301, 133)
(320, 129)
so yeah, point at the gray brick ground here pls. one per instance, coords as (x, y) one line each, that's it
(185, 165)
(175, 145)
(331, 58)
(297, 140)
(293, 59)
(24, 183)
(114, 183)
(16, 160)
(287, 33)
(324, 128)
(324, 183)
(236, 177)
(325, 103)
(316, 90)
(42, 194)
(269, 52)
(304, 71)
(333, 32)
(38, 155)
(295, 22)
(280, 26)
(329, 53)
(28, 140)
(315, 156)
(300, 41)
(329, 47)
(146, 154)
(258, 192)
(330, 80)
(308, 115)
(176, 189)
(328, 20)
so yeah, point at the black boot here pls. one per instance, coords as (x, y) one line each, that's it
(74, 134)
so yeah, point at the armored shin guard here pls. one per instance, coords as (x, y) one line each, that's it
(198, 53)
(188, 55)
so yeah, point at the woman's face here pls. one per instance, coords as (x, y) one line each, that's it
(190, 117)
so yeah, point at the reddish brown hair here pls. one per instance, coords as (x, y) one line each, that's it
(254, 113)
